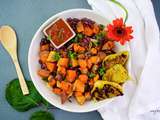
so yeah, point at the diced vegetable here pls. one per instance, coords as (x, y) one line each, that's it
(44, 47)
(71, 75)
(101, 55)
(53, 56)
(57, 91)
(80, 99)
(80, 27)
(51, 66)
(87, 96)
(95, 59)
(52, 82)
(43, 73)
(108, 45)
(83, 78)
(82, 63)
(74, 62)
(88, 31)
(65, 86)
(79, 86)
(95, 29)
(43, 56)
(61, 70)
(89, 63)
(93, 51)
(96, 78)
(84, 70)
(63, 96)
(63, 62)
(76, 47)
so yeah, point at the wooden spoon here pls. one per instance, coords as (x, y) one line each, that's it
(9, 41)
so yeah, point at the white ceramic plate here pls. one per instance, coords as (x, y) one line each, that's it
(34, 66)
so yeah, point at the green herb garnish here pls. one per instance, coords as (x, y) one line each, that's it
(101, 27)
(49, 38)
(79, 36)
(41, 115)
(72, 55)
(91, 75)
(56, 56)
(69, 65)
(96, 43)
(101, 71)
(100, 35)
(20, 102)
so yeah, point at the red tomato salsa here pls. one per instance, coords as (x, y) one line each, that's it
(59, 32)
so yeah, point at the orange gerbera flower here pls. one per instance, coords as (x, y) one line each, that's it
(119, 32)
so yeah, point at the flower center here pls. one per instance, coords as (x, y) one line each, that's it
(119, 31)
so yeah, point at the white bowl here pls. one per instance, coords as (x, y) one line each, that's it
(34, 66)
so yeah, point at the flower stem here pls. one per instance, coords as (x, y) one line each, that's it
(121, 6)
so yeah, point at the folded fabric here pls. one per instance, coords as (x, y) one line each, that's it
(140, 97)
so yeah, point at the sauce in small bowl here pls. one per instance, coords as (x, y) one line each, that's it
(59, 32)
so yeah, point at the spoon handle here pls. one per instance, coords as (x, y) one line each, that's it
(22, 81)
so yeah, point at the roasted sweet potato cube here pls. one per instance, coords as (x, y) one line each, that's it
(44, 47)
(82, 63)
(83, 78)
(61, 70)
(57, 91)
(88, 31)
(51, 66)
(79, 86)
(43, 56)
(52, 82)
(71, 75)
(63, 62)
(80, 27)
(87, 96)
(80, 98)
(95, 28)
(43, 73)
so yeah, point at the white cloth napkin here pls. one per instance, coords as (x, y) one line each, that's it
(142, 98)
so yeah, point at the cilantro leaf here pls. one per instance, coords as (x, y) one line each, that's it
(72, 55)
(101, 71)
(56, 56)
(91, 75)
(49, 38)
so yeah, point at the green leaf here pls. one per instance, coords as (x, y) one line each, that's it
(79, 36)
(41, 115)
(101, 27)
(91, 75)
(56, 56)
(101, 71)
(20, 102)
(49, 38)
(100, 35)
(72, 55)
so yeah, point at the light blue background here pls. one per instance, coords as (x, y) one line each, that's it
(26, 16)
